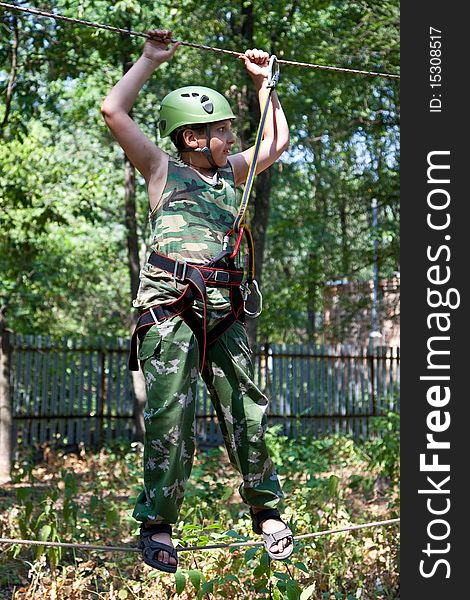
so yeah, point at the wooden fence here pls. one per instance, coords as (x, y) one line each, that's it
(81, 391)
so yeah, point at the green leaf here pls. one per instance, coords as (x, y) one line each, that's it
(45, 532)
(308, 592)
(53, 557)
(123, 594)
(277, 594)
(112, 518)
(301, 566)
(282, 576)
(250, 553)
(70, 485)
(40, 519)
(333, 483)
(260, 570)
(23, 494)
(231, 578)
(293, 590)
(293, 593)
(93, 503)
(236, 535)
(207, 588)
(180, 581)
(227, 493)
(195, 578)
(264, 560)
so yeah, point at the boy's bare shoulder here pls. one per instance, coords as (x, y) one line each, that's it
(239, 164)
(159, 162)
(157, 180)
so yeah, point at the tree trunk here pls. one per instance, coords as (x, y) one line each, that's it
(247, 22)
(131, 226)
(259, 226)
(140, 397)
(344, 240)
(316, 259)
(312, 297)
(259, 202)
(6, 422)
(12, 77)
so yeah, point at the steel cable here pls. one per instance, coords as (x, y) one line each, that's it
(193, 548)
(230, 52)
(42, 13)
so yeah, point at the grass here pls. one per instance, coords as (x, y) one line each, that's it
(88, 497)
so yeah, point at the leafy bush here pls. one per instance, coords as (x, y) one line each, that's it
(88, 498)
(384, 451)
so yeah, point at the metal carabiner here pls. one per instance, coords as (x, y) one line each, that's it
(273, 71)
(246, 293)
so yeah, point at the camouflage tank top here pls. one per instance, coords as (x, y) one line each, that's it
(189, 223)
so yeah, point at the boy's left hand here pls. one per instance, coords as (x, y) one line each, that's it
(256, 63)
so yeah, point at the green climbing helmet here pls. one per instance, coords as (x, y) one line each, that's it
(192, 105)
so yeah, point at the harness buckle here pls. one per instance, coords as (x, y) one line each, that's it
(221, 276)
(184, 266)
(247, 292)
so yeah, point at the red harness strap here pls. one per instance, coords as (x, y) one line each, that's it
(196, 278)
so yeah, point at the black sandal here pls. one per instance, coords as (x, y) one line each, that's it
(150, 548)
(270, 539)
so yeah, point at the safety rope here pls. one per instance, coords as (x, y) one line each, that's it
(273, 78)
(42, 13)
(239, 225)
(194, 548)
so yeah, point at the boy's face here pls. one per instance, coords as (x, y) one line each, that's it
(221, 142)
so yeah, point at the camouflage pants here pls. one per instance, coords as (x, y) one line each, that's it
(169, 358)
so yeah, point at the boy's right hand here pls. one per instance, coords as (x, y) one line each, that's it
(157, 48)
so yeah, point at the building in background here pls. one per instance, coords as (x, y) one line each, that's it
(348, 315)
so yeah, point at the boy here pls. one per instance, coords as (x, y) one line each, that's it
(192, 316)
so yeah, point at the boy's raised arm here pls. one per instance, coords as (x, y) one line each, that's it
(276, 130)
(141, 151)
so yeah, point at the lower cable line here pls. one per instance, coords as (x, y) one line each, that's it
(92, 547)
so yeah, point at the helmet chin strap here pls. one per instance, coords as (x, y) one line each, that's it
(206, 150)
(208, 154)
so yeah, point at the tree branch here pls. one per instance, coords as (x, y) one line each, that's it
(13, 72)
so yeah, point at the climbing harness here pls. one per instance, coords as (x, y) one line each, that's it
(220, 272)
(42, 13)
(196, 278)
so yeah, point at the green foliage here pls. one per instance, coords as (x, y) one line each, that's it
(88, 498)
(385, 450)
(62, 230)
